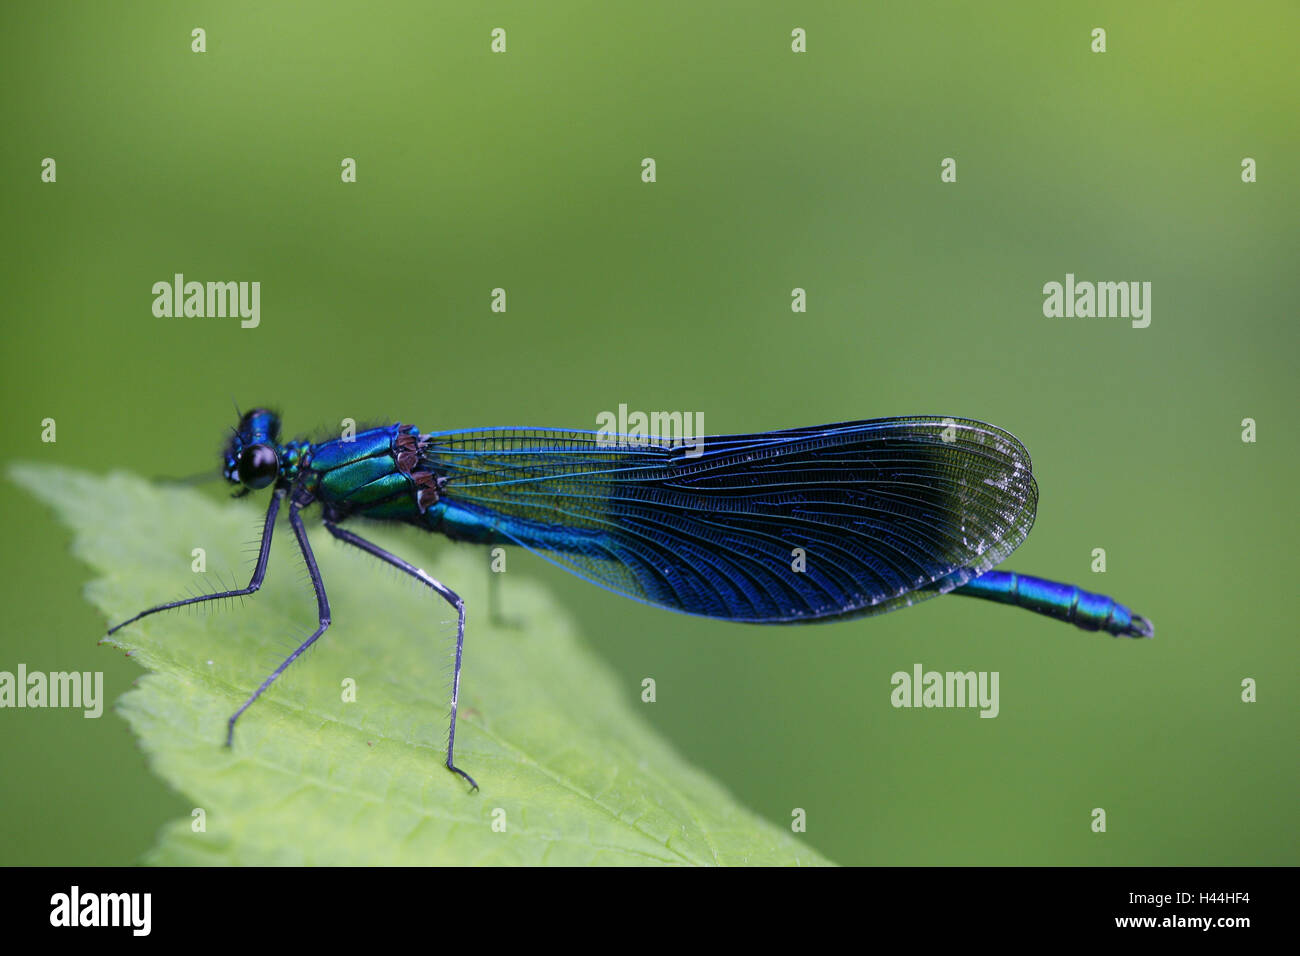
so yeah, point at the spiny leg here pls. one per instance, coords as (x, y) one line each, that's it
(447, 595)
(322, 609)
(259, 572)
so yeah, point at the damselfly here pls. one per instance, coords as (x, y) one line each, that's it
(783, 527)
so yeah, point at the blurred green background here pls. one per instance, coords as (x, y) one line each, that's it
(775, 170)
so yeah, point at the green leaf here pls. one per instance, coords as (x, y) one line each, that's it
(550, 734)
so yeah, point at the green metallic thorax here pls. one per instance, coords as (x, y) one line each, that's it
(377, 474)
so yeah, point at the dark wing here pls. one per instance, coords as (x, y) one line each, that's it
(787, 526)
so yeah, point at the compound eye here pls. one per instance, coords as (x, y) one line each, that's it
(258, 466)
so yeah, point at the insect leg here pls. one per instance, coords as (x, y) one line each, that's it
(323, 615)
(259, 572)
(447, 595)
